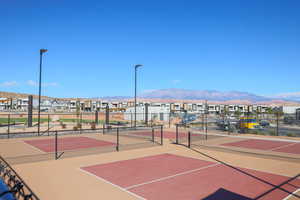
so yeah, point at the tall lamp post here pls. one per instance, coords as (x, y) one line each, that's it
(40, 88)
(135, 83)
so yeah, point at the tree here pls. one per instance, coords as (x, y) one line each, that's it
(237, 113)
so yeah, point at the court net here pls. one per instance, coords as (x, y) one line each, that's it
(63, 144)
(148, 133)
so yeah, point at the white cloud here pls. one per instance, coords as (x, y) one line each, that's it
(34, 83)
(176, 81)
(9, 84)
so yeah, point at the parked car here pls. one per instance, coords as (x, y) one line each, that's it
(264, 123)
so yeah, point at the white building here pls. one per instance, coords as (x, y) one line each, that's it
(155, 112)
(289, 109)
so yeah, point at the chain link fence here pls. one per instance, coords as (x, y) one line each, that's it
(276, 124)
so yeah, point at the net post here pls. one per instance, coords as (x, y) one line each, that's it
(56, 145)
(177, 134)
(117, 147)
(8, 126)
(161, 135)
(152, 134)
(189, 139)
(103, 129)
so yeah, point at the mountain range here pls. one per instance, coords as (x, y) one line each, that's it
(175, 94)
(210, 95)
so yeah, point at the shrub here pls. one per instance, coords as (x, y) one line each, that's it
(291, 135)
(273, 133)
(93, 126)
(260, 133)
(63, 126)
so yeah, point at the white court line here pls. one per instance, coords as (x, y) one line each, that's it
(33, 147)
(123, 189)
(168, 177)
(287, 145)
(286, 198)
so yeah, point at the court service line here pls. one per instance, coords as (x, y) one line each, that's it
(286, 198)
(108, 182)
(287, 145)
(172, 176)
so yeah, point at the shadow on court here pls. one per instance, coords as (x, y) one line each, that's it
(225, 195)
(274, 187)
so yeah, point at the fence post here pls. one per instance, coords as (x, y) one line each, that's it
(189, 139)
(48, 123)
(131, 119)
(117, 147)
(176, 133)
(152, 134)
(206, 133)
(56, 145)
(161, 135)
(206, 123)
(169, 119)
(277, 123)
(96, 117)
(107, 114)
(229, 127)
(146, 113)
(80, 123)
(8, 126)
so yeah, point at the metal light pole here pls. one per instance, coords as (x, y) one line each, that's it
(135, 82)
(40, 87)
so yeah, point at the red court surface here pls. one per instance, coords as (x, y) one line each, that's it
(293, 148)
(280, 146)
(169, 176)
(67, 143)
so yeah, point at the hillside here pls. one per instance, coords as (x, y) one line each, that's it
(18, 95)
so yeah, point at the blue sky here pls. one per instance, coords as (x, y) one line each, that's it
(239, 45)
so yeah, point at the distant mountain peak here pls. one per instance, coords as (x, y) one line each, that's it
(212, 95)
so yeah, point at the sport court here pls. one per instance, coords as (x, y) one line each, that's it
(267, 145)
(170, 176)
(67, 143)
